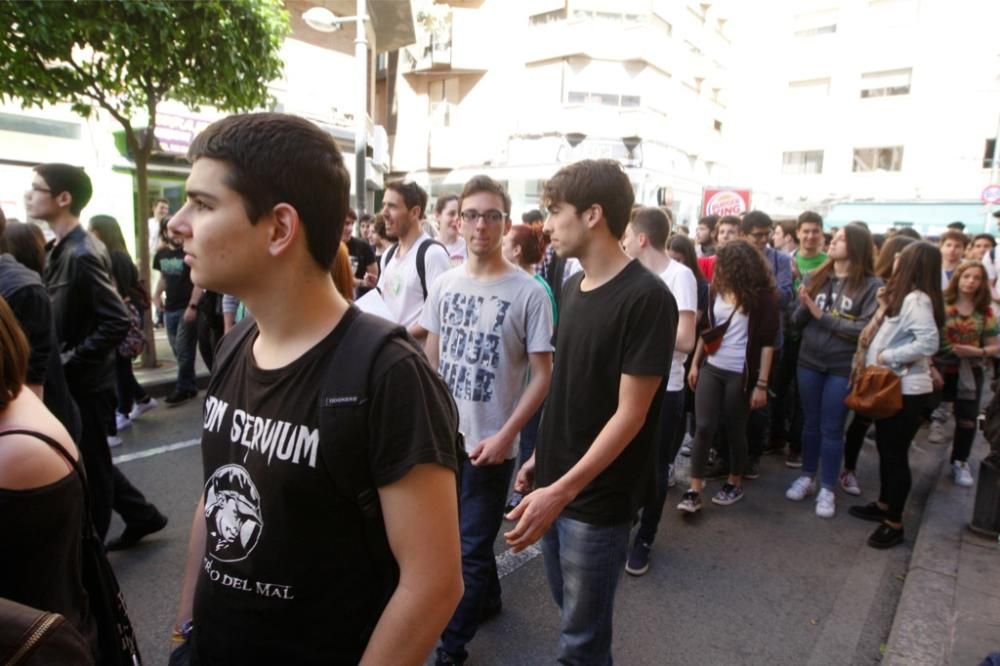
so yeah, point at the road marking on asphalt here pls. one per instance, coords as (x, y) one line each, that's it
(507, 562)
(149, 453)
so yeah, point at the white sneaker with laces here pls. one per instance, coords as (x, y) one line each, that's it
(122, 421)
(826, 505)
(142, 407)
(962, 474)
(803, 486)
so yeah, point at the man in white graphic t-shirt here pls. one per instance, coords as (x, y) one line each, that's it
(410, 266)
(645, 239)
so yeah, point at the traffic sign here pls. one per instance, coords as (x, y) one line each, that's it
(991, 195)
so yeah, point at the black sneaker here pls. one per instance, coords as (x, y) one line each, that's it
(690, 502)
(752, 470)
(794, 460)
(729, 494)
(638, 558)
(885, 536)
(180, 397)
(133, 533)
(718, 469)
(870, 511)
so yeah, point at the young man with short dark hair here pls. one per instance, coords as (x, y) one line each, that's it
(593, 464)
(364, 268)
(645, 239)
(952, 244)
(410, 267)
(281, 566)
(90, 320)
(488, 324)
(705, 235)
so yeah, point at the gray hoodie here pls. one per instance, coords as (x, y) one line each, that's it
(829, 343)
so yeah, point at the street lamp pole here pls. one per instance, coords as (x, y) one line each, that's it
(361, 110)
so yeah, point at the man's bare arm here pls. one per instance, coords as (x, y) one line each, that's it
(421, 520)
(539, 509)
(432, 350)
(195, 553)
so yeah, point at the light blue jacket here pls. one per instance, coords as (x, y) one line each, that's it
(907, 342)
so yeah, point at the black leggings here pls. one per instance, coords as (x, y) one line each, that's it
(854, 440)
(893, 437)
(966, 413)
(720, 399)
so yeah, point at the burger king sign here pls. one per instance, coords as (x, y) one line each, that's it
(724, 201)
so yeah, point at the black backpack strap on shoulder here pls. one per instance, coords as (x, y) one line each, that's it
(422, 261)
(390, 253)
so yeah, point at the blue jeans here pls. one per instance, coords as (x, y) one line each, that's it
(824, 415)
(670, 435)
(483, 496)
(183, 339)
(584, 563)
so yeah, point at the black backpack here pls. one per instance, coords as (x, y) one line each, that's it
(344, 403)
(421, 259)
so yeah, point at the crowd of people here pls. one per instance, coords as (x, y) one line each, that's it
(546, 373)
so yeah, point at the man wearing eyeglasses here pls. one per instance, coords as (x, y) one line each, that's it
(410, 266)
(488, 323)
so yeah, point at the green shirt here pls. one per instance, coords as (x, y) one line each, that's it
(806, 265)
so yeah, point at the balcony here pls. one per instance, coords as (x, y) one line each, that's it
(641, 41)
(450, 43)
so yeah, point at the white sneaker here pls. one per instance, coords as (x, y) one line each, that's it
(122, 421)
(114, 441)
(849, 483)
(826, 504)
(804, 485)
(962, 474)
(142, 407)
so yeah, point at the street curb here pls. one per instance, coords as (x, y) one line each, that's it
(924, 626)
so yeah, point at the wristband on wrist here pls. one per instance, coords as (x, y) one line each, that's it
(182, 634)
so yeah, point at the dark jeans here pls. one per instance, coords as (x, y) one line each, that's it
(183, 339)
(721, 401)
(583, 564)
(210, 329)
(129, 390)
(893, 437)
(854, 440)
(670, 435)
(966, 413)
(483, 496)
(786, 410)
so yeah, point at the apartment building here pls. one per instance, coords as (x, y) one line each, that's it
(518, 88)
(880, 110)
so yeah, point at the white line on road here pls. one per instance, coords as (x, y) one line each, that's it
(149, 453)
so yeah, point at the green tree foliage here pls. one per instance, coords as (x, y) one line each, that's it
(125, 56)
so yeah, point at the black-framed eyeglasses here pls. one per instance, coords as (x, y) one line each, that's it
(492, 216)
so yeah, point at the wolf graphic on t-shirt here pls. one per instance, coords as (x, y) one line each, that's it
(232, 511)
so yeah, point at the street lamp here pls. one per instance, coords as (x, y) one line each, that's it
(323, 20)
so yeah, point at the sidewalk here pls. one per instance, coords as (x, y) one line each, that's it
(949, 611)
(160, 381)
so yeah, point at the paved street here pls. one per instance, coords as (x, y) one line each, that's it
(763, 581)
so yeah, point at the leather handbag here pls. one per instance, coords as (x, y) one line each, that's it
(876, 392)
(31, 637)
(712, 338)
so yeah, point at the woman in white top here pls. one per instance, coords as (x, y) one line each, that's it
(734, 378)
(907, 337)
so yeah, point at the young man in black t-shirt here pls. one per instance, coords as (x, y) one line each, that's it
(180, 314)
(363, 264)
(594, 462)
(278, 571)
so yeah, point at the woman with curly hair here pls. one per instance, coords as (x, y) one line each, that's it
(836, 301)
(968, 339)
(737, 350)
(902, 336)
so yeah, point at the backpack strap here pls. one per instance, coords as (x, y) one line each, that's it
(387, 257)
(422, 261)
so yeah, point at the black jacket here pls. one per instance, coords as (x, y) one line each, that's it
(90, 318)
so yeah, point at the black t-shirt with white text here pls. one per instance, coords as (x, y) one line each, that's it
(286, 577)
(176, 276)
(625, 326)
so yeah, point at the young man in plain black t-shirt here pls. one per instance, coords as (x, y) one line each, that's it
(278, 571)
(594, 462)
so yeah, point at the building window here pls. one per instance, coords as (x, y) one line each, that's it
(884, 84)
(801, 162)
(607, 17)
(442, 97)
(548, 17)
(988, 154)
(603, 99)
(889, 158)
